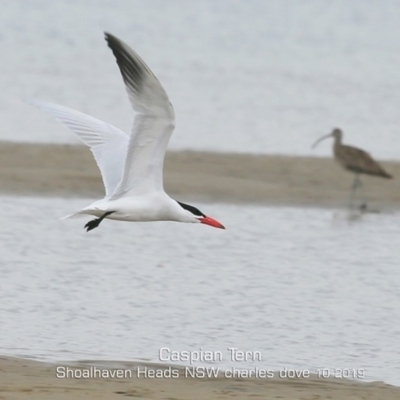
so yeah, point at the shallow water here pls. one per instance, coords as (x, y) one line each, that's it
(259, 76)
(305, 287)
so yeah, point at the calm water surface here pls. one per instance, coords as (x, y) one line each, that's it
(305, 287)
(257, 76)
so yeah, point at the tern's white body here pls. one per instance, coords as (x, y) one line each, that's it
(152, 207)
(131, 165)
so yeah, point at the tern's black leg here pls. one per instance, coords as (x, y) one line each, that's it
(94, 223)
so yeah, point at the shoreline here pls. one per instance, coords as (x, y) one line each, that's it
(32, 169)
(38, 380)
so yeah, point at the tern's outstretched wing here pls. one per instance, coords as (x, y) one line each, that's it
(107, 143)
(152, 127)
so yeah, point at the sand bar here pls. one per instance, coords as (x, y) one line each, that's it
(27, 379)
(70, 171)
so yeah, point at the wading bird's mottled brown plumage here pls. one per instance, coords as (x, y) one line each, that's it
(354, 160)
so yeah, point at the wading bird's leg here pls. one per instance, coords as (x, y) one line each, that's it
(94, 223)
(354, 187)
(364, 204)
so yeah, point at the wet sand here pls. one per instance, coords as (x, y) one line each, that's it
(68, 170)
(22, 379)
(65, 170)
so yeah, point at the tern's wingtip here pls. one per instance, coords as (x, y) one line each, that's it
(109, 37)
(29, 100)
(34, 102)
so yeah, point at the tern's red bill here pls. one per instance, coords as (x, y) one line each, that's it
(212, 222)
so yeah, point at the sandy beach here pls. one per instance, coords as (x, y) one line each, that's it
(70, 171)
(22, 379)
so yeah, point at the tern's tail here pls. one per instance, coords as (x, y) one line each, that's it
(76, 214)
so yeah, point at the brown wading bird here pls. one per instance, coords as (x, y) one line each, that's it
(354, 160)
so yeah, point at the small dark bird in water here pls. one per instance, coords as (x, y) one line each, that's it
(354, 160)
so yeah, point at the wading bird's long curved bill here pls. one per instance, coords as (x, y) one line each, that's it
(320, 140)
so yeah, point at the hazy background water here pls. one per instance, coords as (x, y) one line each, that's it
(256, 76)
(305, 287)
